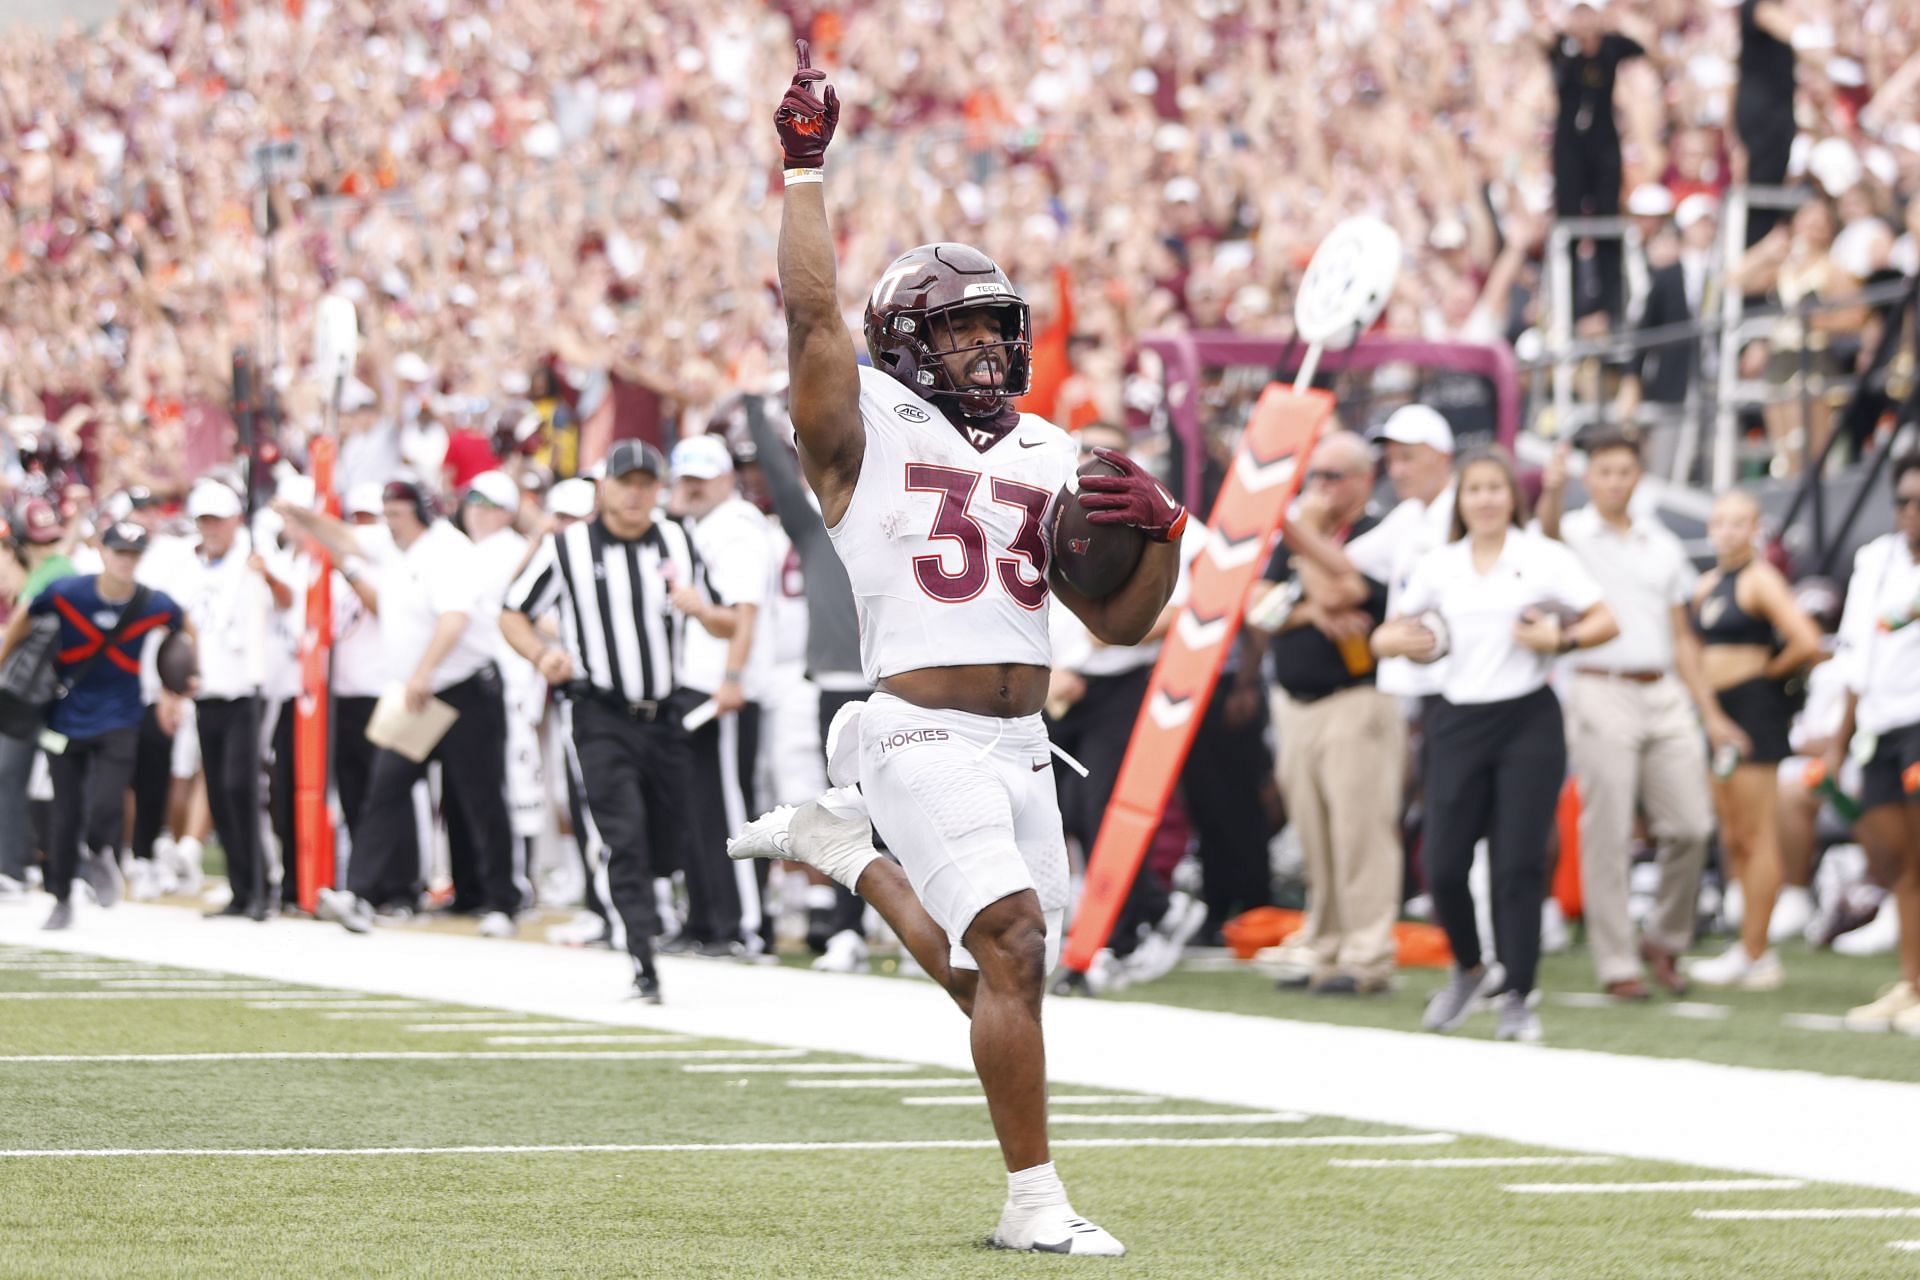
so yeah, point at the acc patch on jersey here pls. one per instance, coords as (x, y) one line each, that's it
(912, 412)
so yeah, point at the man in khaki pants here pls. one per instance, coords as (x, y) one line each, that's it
(1342, 741)
(1634, 719)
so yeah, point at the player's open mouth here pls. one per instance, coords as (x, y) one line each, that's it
(986, 372)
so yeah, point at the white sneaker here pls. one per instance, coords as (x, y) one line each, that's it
(343, 909)
(185, 858)
(846, 953)
(1735, 968)
(1877, 937)
(1908, 1023)
(809, 833)
(1053, 1229)
(1155, 958)
(1792, 913)
(1108, 974)
(1898, 1001)
(497, 924)
(139, 880)
(584, 930)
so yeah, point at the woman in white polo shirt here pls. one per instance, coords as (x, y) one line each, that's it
(1501, 603)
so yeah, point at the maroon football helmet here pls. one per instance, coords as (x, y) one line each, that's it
(917, 298)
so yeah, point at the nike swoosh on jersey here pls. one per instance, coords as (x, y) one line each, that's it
(1031, 444)
(1044, 764)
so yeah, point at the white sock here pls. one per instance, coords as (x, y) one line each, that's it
(189, 849)
(1036, 1188)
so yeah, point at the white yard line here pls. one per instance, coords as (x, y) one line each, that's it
(1257, 1117)
(1700, 1010)
(1056, 1100)
(87, 975)
(1800, 1215)
(359, 1008)
(1905, 1246)
(811, 1068)
(441, 1028)
(360, 1016)
(955, 1082)
(931, 1144)
(1841, 1129)
(1664, 1188)
(1814, 1021)
(186, 984)
(1469, 1162)
(416, 1055)
(635, 1037)
(227, 993)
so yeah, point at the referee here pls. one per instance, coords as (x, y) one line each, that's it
(619, 659)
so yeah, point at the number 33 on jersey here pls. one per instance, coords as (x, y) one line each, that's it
(943, 541)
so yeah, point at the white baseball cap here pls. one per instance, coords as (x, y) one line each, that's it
(364, 500)
(212, 499)
(1417, 424)
(1650, 200)
(496, 488)
(1695, 207)
(573, 498)
(702, 457)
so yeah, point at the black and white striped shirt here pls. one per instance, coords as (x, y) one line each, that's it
(615, 619)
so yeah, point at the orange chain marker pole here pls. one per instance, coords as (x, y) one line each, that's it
(312, 823)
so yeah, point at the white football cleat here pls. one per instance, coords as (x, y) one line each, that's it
(1053, 1229)
(846, 953)
(813, 834)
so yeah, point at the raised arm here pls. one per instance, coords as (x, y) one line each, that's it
(823, 374)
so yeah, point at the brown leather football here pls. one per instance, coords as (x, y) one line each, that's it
(176, 663)
(1095, 559)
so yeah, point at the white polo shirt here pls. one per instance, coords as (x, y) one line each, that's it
(1643, 572)
(1387, 553)
(359, 651)
(1484, 662)
(731, 541)
(229, 607)
(1883, 667)
(439, 573)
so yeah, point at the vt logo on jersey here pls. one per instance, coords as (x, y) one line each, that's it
(911, 738)
(912, 412)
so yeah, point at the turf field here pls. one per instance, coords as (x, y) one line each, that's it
(258, 1127)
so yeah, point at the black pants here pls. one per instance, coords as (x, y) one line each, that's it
(277, 859)
(230, 754)
(1225, 774)
(90, 780)
(152, 783)
(585, 830)
(1095, 731)
(1766, 130)
(385, 868)
(1494, 770)
(636, 774)
(721, 802)
(352, 754)
(1586, 184)
(847, 907)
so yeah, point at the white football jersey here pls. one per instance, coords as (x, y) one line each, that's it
(946, 544)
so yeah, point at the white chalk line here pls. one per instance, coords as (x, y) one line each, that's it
(1905, 1246)
(188, 984)
(1700, 1010)
(442, 1028)
(250, 993)
(399, 1008)
(1814, 1021)
(406, 1055)
(364, 1013)
(1468, 1162)
(1221, 1118)
(610, 1148)
(648, 1037)
(931, 1082)
(1060, 1100)
(820, 1068)
(1799, 1215)
(88, 975)
(1664, 1188)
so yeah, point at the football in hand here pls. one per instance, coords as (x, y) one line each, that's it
(1095, 559)
(176, 663)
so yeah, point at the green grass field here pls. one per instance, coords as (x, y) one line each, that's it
(820, 1211)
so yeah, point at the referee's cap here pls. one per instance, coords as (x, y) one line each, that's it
(628, 456)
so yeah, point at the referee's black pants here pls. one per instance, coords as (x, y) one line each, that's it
(1095, 731)
(636, 775)
(152, 782)
(230, 753)
(1494, 770)
(723, 896)
(385, 867)
(1226, 772)
(90, 780)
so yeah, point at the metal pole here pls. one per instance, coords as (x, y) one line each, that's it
(1733, 245)
(1560, 281)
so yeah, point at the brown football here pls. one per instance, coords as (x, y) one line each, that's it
(1095, 559)
(176, 663)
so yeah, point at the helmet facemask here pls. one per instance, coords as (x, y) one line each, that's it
(935, 349)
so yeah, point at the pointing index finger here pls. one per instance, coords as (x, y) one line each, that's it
(804, 53)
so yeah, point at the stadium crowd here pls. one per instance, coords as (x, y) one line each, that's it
(561, 255)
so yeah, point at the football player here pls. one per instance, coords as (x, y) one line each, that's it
(936, 492)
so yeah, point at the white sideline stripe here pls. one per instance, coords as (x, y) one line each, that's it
(1799, 1215)
(1266, 1117)
(1814, 1021)
(931, 1144)
(638, 1037)
(476, 1026)
(1625, 1188)
(403, 1055)
(1467, 1162)
(1700, 1010)
(390, 1005)
(1905, 1246)
(823, 1068)
(397, 1004)
(187, 984)
(955, 1082)
(1060, 1100)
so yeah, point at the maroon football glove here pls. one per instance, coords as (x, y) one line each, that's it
(805, 122)
(1132, 498)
